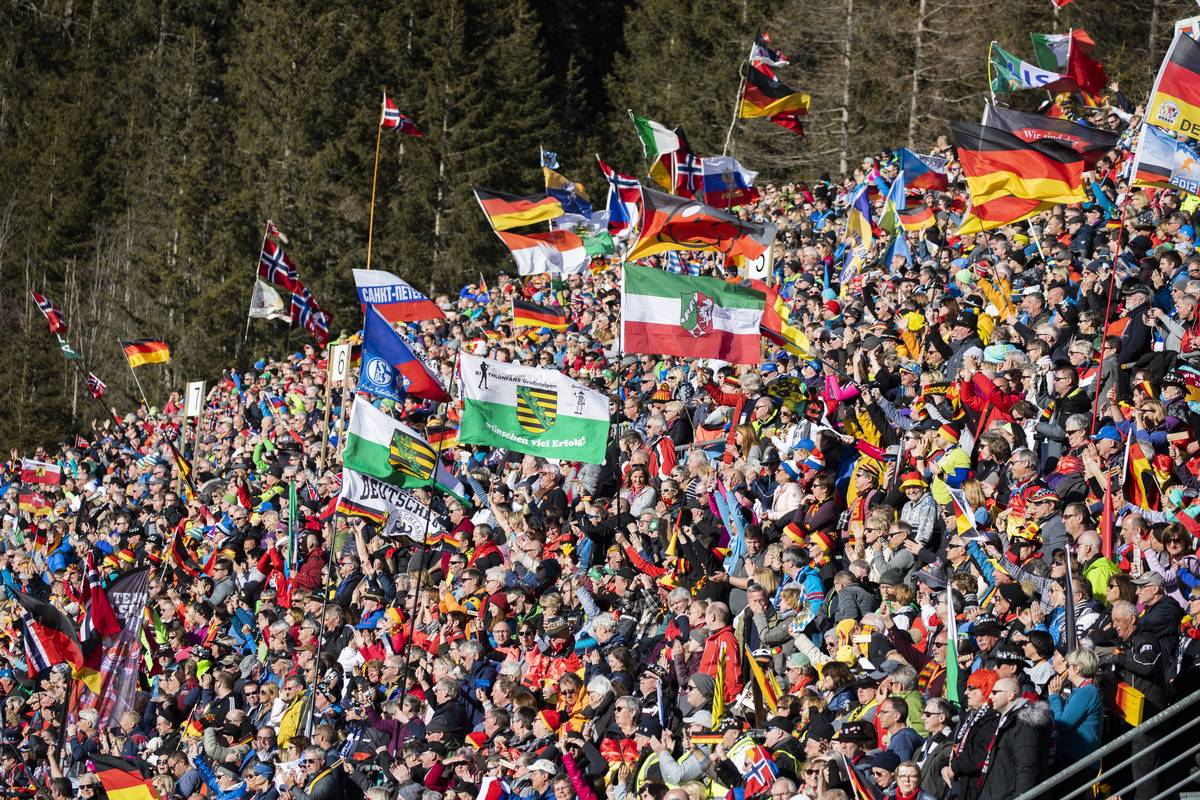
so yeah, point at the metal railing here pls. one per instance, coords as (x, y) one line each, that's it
(1040, 792)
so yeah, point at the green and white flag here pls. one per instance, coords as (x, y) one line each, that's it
(68, 352)
(1011, 74)
(537, 411)
(1051, 49)
(656, 139)
(385, 448)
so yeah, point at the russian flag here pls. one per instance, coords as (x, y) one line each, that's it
(393, 297)
(924, 172)
(390, 368)
(726, 182)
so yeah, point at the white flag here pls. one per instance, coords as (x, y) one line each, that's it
(266, 303)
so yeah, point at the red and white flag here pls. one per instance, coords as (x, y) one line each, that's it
(54, 315)
(40, 472)
(96, 387)
(393, 120)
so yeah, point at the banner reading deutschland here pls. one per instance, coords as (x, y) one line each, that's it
(537, 411)
(399, 510)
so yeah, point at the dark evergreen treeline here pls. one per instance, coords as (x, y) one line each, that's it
(143, 144)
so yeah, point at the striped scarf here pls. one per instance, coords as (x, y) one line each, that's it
(928, 674)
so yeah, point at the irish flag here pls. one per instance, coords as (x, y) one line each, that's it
(681, 315)
(536, 411)
(385, 448)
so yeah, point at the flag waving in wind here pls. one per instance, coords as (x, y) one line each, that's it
(54, 316)
(390, 368)
(624, 201)
(391, 119)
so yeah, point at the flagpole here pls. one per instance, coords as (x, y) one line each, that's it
(737, 103)
(1107, 311)
(134, 374)
(374, 181)
(424, 545)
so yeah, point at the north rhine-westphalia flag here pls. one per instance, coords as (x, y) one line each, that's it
(765, 96)
(507, 211)
(1161, 161)
(47, 635)
(95, 386)
(52, 313)
(146, 351)
(997, 163)
(924, 172)
(727, 183)
(390, 366)
(532, 315)
(121, 780)
(275, 267)
(392, 297)
(1175, 99)
(391, 119)
(696, 317)
(1091, 143)
(677, 223)
(624, 201)
(45, 472)
(309, 315)
(557, 252)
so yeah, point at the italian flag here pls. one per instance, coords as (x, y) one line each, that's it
(537, 411)
(696, 317)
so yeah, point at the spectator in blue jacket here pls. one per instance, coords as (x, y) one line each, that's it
(1079, 714)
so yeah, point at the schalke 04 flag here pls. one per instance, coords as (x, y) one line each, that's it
(537, 411)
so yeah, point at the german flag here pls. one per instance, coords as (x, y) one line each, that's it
(916, 218)
(764, 96)
(185, 472)
(531, 315)
(352, 509)
(1141, 488)
(996, 163)
(1091, 143)
(507, 211)
(1175, 98)
(441, 439)
(121, 780)
(146, 351)
(999, 212)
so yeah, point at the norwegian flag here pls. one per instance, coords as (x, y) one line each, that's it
(99, 619)
(759, 770)
(308, 315)
(96, 386)
(54, 316)
(624, 201)
(689, 174)
(274, 232)
(393, 120)
(275, 267)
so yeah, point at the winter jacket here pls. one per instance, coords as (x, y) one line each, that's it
(1019, 755)
(1078, 723)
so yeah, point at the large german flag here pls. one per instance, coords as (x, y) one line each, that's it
(120, 779)
(916, 217)
(1091, 143)
(507, 211)
(763, 96)
(531, 315)
(146, 351)
(996, 163)
(1175, 98)
(1000, 212)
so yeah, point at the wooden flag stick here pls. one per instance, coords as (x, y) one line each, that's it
(374, 181)
(133, 372)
